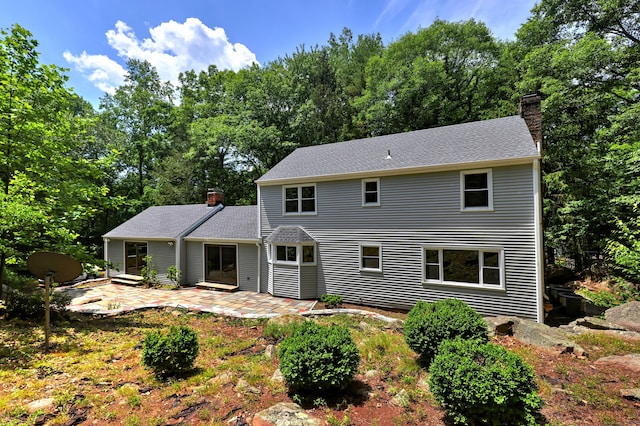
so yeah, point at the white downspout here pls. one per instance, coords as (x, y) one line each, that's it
(258, 245)
(106, 258)
(259, 266)
(537, 213)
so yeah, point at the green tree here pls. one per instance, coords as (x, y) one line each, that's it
(46, 194)
(140, 110)
(583, 56)
(444, 74)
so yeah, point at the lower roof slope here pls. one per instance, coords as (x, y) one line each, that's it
(160, 222)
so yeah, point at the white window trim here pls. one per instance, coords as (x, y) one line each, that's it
(481, 251)
(360, 247)
(364, 186)
(489, 173)
(273, 248)
(299, 212)
(274, 251)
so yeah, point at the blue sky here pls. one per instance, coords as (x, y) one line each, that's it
(94, 38)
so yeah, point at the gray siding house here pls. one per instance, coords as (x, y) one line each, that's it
(449, 212)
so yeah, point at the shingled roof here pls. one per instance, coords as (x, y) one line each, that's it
(497, 140)
(162, 222)
(290, 234)
(230, 223)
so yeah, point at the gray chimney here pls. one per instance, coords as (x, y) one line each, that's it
(215, 196)
(531, 111)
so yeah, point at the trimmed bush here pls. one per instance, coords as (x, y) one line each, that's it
(318, 358)
(429, 324)
(170, 354)
(483, 383)
(331, 300)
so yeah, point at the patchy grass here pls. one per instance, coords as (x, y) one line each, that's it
(601, 345)
(94, 375)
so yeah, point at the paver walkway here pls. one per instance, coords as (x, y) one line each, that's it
(110, 299)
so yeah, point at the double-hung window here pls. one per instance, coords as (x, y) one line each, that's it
(476, 190)
(370, 192)
(371, 257)
(466, 267)
(300, 199)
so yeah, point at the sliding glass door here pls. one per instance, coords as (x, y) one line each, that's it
(221, 264)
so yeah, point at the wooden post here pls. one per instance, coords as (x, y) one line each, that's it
(47, 317)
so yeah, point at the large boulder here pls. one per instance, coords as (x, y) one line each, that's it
(626, 315)
(534, 333)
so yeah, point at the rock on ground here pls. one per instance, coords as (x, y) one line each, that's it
(45, 404)
(626, 315)
(631, 361)
(534, 333)
(284, 414)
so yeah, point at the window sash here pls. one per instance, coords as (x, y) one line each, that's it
(300, 199)
(286, 253)
(289, 254)
(476, 190)
(370, 192)
(464, 266)
(370, 257)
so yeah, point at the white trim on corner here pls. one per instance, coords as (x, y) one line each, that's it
(380, 265)
(489, 173)
(539, 243)
(364, 192)
(477, 286)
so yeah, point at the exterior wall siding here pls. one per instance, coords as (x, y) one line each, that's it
(286, 281)
(309, 282)
(248, 267)
(416, 211)
(115, 251)
(162, 255)
(195, 262)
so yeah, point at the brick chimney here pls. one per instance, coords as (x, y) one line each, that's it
(215, 196)
(531, 111)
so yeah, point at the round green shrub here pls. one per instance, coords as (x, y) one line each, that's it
(170, 354)
(429, 324)
(483, 383)
(318, 358)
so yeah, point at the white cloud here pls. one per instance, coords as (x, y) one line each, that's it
(172, 48)
(105, 73)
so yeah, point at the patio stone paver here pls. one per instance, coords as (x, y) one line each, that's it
(111, 299)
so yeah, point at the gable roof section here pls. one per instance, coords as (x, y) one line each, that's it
(501, 140)
(162, 222)
(233, 223)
